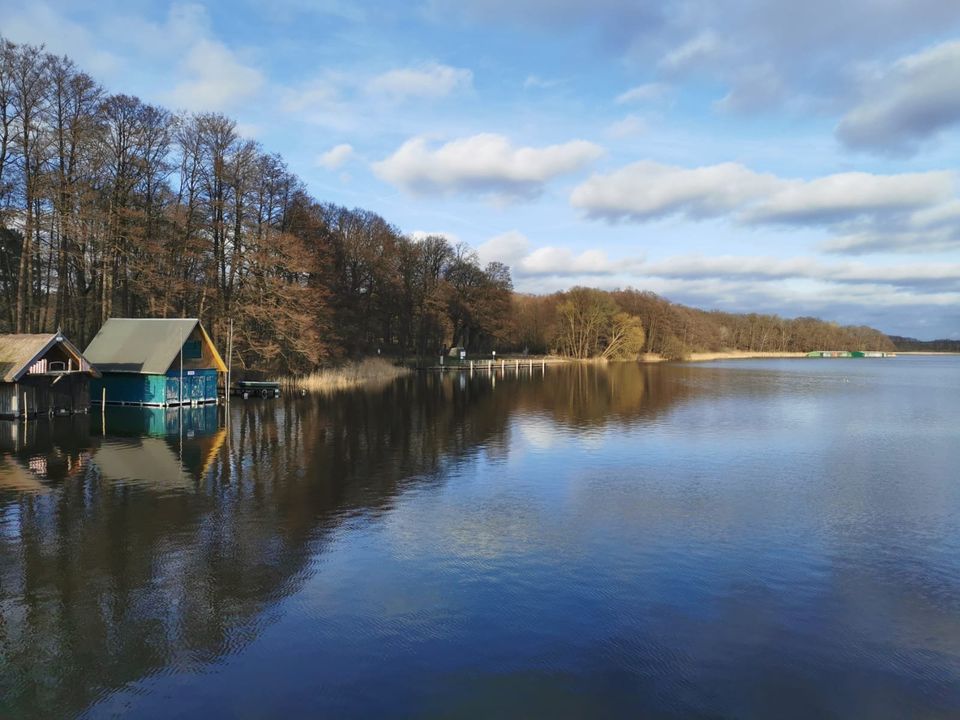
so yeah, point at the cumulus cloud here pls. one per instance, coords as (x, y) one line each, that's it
(486, 164)
(870, 240)
(914, 99)
(564, 262)
(428, 81)
(918, 277)
(846, 196)
(516, 250)
(509, 247)
(646, 190)
(336, 156)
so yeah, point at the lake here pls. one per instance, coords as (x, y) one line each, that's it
(750, 539)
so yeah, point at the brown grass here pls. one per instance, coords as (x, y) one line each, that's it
(369, 372)
(726, 355)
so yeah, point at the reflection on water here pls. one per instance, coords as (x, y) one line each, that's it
(693, 541)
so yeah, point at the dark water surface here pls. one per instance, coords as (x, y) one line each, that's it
(742, 540)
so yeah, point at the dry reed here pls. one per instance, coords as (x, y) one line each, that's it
(369, 372)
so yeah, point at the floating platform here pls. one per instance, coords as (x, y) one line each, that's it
(850, 354)
(256, 388)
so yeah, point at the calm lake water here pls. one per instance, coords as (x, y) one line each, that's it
(742, 540)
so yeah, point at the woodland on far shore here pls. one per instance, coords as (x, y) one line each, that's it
(110, 206)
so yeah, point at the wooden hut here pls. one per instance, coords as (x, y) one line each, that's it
(43, 373)
(155, 362)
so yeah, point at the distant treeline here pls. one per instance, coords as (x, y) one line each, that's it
(110, 206)
(913, 345)
(675, 330)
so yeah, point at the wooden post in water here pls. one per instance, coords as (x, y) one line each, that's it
(471, 368)
(503, 366)
(543, 366)
(518, 367)
(26, 413)
(226, 390)
(103, 411)
(531, 367)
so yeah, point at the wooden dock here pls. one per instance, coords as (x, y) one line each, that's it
(503, 366)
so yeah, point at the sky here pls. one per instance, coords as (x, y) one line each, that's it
(798, 158)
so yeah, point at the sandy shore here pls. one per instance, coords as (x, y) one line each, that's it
(728, 355)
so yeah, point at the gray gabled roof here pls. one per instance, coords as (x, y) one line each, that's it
(142, 345)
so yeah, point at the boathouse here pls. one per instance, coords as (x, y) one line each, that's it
(43, 373)
(156, 362)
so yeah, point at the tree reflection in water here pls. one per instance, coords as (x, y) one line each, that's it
(160, 541)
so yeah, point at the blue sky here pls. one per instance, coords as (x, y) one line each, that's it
(798, 158)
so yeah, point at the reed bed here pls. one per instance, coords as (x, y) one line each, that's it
(369, 372)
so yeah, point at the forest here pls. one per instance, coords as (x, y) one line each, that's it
(114, 207)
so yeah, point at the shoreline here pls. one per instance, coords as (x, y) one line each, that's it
(725, 355)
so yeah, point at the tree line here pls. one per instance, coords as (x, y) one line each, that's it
(626, 322)
(907, 344)
(111, 206)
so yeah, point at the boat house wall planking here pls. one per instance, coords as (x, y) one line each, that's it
(42, 374)
(155, 362)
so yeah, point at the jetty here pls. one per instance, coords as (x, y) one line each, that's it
(850, 354)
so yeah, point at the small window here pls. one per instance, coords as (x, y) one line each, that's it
(192, 350)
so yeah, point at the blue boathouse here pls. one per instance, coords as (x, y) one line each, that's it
(154, 362)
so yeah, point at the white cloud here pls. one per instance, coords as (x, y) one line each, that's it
(896, 240)
(418, 235)
(647, 190)
(630, 126)
(428, 81)
(918, 277)
(37, 23)
(649, 92)
(914, 99)
(509, 247)
(335, 156)
(846, 196)
(564, 262)
(703, 48)
(485, 164)
(516, 250)
(215, 79)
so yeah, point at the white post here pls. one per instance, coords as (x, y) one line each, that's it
(181, 367)
(226, 393)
